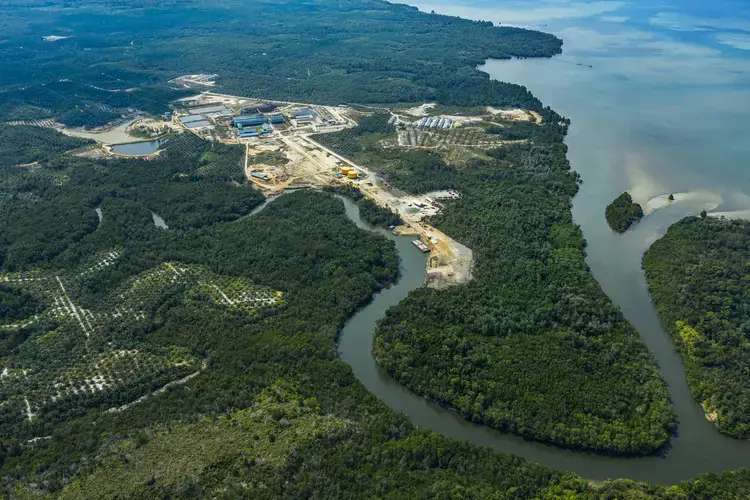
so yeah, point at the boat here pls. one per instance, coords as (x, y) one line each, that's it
(421, 246)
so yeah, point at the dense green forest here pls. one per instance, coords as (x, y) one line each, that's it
(200, 360)
(260, 404)
(531, 345)
(26, 145)
(699, 277)
(325, 51)
(182, 185)
(623, 212)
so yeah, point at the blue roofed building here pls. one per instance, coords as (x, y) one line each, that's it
(248, 120)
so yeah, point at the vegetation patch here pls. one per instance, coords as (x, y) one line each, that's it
(417, 171)
(532, 345)
(623, 212)
(699, 278)
(274, 412)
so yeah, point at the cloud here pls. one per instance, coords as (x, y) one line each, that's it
(737, 41)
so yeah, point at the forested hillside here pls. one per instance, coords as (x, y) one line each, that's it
(699, 277)
(325, 51)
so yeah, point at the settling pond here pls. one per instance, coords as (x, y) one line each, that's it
(138, 148)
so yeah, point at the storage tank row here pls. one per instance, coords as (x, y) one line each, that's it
(350, 173)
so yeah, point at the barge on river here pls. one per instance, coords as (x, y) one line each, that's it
(418, 243)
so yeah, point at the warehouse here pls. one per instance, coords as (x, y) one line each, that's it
(248, 120)
(192, 118)
(207, 109)
(305, 116)
(277, 118)
(304, 119)
(198, 124)
(305, 112)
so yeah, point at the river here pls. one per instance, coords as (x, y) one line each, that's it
(658, 105)
(699, 449)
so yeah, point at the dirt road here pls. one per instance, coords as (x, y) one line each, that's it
(450, 262)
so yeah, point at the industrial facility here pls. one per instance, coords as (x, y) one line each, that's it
(248, 121)
(195, 121)
(305, 116)
(256, 125)
(349, 172)
(429, 122)
(260, 175)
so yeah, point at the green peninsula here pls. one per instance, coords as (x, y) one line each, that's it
(699, 278)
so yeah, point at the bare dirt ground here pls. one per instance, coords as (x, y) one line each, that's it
(154, 128)
(452, 261)
(307, 165)
(422, 110)
(521, 115)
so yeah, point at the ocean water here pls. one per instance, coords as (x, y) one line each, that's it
(665, 106)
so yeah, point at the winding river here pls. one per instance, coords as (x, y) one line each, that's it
(699, 448)
(656, 109)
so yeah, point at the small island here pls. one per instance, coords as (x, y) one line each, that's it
(623, 212)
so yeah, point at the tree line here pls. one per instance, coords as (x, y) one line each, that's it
(699, 279)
